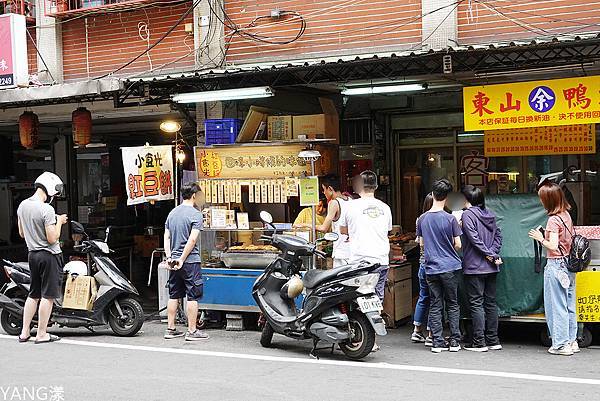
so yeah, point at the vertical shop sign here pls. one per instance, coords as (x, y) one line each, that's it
(148, 173)
(13, 51)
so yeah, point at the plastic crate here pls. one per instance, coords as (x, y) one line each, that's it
(222, 130)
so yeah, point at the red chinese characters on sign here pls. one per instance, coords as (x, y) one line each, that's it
(148, 173)
(509, 104)
(480, 101)
(576, 97)
(474, 169)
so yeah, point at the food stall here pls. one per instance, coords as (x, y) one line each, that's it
(238, 182)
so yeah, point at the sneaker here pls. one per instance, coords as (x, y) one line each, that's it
(438, 350)
(197, 335)
(375, 348)
(565, 350)
(173, 333)
(454, 346)
(477, 348)
(575, 347)
(495, 347)
(417, 337)
(429, 341)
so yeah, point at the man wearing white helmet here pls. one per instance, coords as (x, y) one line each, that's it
(41, 228)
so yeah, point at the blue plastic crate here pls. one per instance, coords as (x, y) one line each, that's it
(222, 130)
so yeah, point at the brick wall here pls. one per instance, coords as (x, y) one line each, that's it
(333, 27)
(113, 40)
(482, 22)
(31, 52)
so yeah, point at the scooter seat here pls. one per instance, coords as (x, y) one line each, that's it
(314, 277)
(23, 266)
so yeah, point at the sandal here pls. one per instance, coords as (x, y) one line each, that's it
(24, 340)
(51, 339)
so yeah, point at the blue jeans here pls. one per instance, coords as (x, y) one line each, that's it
(422, 308)
(380, 287)
(559, 304)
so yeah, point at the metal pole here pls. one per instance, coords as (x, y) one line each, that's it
(314, 215)
(176, 175)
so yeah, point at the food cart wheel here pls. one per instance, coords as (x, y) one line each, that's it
(266, 336)
(586, 338)
(545, 337)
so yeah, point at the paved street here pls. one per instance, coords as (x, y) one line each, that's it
(233, 366)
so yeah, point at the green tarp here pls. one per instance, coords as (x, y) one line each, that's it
(520, 289)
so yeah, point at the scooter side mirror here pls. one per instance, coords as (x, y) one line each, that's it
(266, 217)
(77, 228)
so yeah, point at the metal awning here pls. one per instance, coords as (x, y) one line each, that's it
(61, 93)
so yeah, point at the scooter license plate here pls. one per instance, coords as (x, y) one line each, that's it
(369, 304)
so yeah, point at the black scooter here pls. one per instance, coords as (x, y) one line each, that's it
(340, 305)
(116, 303)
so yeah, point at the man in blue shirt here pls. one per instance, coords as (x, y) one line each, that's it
(440, 236)
(182, 230)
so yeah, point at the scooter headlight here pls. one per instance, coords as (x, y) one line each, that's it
(366, 284)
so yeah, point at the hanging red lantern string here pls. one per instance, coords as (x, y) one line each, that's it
(29, 126)
(81, 120)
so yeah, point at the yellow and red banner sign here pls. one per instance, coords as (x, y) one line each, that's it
(561, 140)
(588, 296)
(532, 104)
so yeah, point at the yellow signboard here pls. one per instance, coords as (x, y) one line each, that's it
(309, 191)
(532, 104)
(561, 140)
(261, 161)
(588, 296)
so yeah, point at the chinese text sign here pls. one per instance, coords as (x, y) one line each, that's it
(588, 296)
(148, 173)
(532, 104)
(561, 140)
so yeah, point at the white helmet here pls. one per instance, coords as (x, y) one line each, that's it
(51, 183)
(76, 267)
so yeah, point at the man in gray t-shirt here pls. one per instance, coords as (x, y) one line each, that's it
(41, 228)
(182, 230)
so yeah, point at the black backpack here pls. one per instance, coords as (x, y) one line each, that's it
(580, 256)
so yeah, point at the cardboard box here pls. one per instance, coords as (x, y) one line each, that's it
(80, 293)
(279, 128)
(255, 118)
(313, 126)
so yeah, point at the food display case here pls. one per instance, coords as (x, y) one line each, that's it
(239, 181)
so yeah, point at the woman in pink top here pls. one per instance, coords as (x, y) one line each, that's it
(559, 283)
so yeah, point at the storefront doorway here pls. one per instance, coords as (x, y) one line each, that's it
(426, 156)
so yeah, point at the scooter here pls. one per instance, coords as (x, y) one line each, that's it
(339, 307)
(116, 303)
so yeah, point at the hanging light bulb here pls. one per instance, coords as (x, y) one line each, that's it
(180, 154)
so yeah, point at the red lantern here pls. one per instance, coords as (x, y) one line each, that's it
(82, 126)
(29, 126)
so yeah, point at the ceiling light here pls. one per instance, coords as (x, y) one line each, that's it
(170, 126)
(372, 90)
(221, 95)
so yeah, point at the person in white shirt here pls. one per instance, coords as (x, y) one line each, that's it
(337, 205)
(368, 221)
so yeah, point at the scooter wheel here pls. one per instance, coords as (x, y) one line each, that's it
(362, 337)
(132, 320)
(266, 336)
(10, 324)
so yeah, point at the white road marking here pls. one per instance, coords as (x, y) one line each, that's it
(307, 360)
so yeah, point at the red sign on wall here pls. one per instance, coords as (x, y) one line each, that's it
(13, 51)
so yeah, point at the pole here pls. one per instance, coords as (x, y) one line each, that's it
(176, 173)
(314, 215)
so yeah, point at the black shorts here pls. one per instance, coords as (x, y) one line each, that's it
(186, 281)
(46, 275)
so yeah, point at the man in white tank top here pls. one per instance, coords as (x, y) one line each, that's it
(337, 204)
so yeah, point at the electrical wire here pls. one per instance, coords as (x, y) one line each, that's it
(549, 18)
(40, 54)
(438, 26)
(183, 16)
